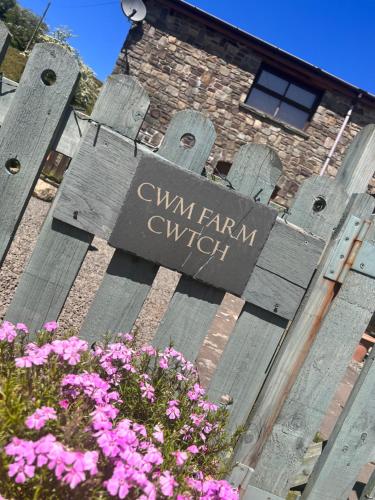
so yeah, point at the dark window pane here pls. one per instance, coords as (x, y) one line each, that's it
(273, 82)
(262, 101)
(292, 115)
(301, 95)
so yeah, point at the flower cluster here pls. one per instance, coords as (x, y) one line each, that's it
(8, 331)
(68, 466)
(69, 350)
(122, 421)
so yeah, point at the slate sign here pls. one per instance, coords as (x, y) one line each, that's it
(184, 222)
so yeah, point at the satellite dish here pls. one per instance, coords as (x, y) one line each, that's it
(134, 10)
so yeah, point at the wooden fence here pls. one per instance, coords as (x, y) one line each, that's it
(308, 299)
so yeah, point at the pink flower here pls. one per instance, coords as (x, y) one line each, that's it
(163, 363)
(51, 326)
(208, 406)
(126, 337)
(21, 449)
(102, 417)
(70, 349)
(64, 403)
(193, 449)
(140, 429)
(22, 327)
(73, 477)
(108, 442)
(74, 468)
(167, 483)
(38, 419)
(197, 419)
(181, 457)
(117, 485)
(195, 393)
(148, 349)
(173, 412)
(56, 459)
(24, 362)
(90, 462)
(158, 434)
(153, 456)
(8, 332)
(21, 470)
(147, 391)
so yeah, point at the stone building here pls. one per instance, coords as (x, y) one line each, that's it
(251, 90)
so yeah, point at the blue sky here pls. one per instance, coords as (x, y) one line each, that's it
(336, 35)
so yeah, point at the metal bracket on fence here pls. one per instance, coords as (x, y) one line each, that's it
(346, 249)
(365, 262)
(240, 476)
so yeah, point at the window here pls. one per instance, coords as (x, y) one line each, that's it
(282, 97)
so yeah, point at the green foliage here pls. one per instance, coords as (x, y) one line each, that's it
(89, 86)
(22, 24)
(24, 390)
(13, 64)
(6, 5)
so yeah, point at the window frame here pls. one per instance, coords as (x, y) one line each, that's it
(292, 80)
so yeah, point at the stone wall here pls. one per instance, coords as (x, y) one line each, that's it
(184, 64)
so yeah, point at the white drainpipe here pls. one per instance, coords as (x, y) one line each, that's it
(339, 135)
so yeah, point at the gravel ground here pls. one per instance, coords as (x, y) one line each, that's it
(88, 280)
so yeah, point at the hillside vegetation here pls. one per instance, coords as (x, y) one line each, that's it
(22, 23)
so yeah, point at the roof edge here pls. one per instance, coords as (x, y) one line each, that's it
(271, 51)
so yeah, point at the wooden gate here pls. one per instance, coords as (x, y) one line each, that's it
(309, 291)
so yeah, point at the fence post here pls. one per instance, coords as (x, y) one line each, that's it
(128, 280)
(351, 443)
(29, 128)
(329, 339)
(303, 330)
(61, 248)
(350, 446)
(359, 162)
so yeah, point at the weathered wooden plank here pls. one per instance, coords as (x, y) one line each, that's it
(318, 206)
(273, 293)
(127, 110)
(103, 155)
(122, 292)
(49, 274)
(317, 209)
(7, 92)
(74, 129)
(61, 248)
(369, 490)
(128, 287)
(299, 339)
(199, 135)
(351, 443)
(4, 40)
(29, 129)
(243, 365)
(284, 241)
(309, 398)
(256, 173)
(358, 166)
(190, 313)
(303, 331)
(197, 300)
